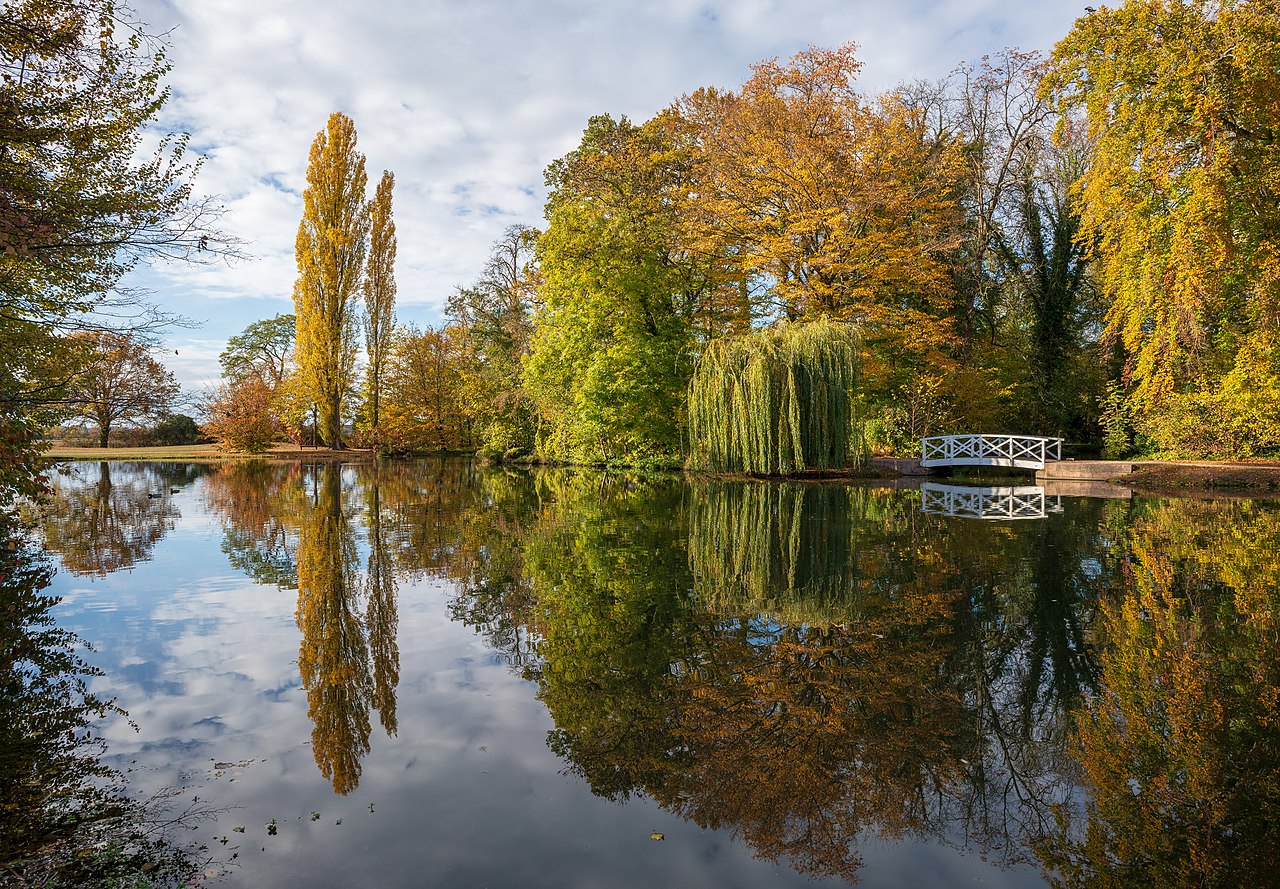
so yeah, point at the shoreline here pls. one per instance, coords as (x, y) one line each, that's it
(280, 453)
(1166, 478)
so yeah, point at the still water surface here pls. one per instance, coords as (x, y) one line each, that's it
(438, 674)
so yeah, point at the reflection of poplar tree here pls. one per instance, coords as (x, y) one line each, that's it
(382, 617)
(334, 656)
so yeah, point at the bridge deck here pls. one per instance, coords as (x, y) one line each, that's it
(1012, 451)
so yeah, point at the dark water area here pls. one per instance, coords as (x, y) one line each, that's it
(442, 674)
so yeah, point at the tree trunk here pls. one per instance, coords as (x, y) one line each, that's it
(104, 435)
(335, 423)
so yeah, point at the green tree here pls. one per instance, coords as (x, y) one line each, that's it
(82, 199)
(264, 348)
(121, 383)
(612, 342)
(495, 318)
(333, 239)
(176, 429)
(776, 402)
(379, 293)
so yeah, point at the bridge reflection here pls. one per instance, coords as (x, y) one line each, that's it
(997, 503)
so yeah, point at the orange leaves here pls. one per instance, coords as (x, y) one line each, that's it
(818, 201)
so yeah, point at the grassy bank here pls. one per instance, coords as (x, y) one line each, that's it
(206, 453)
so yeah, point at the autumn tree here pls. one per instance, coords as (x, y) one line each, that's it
(333, 239)
(423, 410)
(379, 293)
(120, 383)
(241, 415)
(827, 203)
(1181, 200)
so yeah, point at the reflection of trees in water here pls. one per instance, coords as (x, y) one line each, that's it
(815, 664)
(457, 520)
(1181, 745)
(334, 656)
(64, 818)
(768, 547)
(811, 664)
(349, 658)
(110, 517)
(258, 502)
(294, 526)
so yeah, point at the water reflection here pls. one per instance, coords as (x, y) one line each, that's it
(259, 503)
(808, 666)
(65, 818)
(1181, 744)
(815, 666)
(109, 517)
(295, 526)
(1003, 502)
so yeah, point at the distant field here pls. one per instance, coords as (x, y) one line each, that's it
(202, 453)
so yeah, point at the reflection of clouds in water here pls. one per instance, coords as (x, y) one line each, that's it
(215, 679)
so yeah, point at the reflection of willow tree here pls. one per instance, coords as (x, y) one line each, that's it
(848, 666)
(342, 679)
(257, 501)
(64, 820)
(1181, 745)
(109, 520)
(784, 549)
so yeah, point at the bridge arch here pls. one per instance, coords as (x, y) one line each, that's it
(1014, 451)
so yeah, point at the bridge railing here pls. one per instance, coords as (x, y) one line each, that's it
(1022, 451)
(1001, 503)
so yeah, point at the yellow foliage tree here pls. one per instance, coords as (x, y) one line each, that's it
(379, 292)
(333, 239)
(1182, 197)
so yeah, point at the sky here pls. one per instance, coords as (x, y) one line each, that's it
(467, 103)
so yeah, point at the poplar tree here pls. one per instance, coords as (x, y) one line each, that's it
(379, 290)
(333, 239)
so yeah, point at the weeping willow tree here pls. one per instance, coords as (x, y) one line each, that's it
(776, 401)
(782, 549)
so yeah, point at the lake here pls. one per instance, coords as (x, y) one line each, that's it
(438, 673)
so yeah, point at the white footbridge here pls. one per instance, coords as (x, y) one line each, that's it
(999, 503)
(1013, 451)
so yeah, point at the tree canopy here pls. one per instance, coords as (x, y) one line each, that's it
(333, 240)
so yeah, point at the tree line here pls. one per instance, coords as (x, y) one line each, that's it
(1083, 244)
(1080, 245)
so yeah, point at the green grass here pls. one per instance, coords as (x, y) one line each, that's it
(200, 453)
